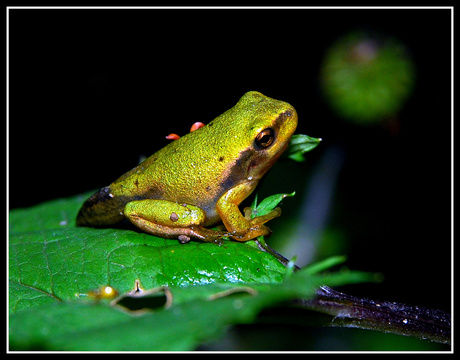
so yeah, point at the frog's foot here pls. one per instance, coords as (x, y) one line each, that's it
(206, 235)
(256, 227)
(261, 219)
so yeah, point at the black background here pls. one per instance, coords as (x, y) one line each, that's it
(91, 91)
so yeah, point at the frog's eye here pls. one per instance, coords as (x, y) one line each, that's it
(265, 138)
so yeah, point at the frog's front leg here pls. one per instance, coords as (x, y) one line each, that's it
(171, 220)
(242, 228)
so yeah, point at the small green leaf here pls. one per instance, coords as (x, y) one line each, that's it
(301, 144)
(325, 264)
(268, 204)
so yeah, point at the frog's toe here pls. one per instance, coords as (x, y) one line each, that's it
(184, 239)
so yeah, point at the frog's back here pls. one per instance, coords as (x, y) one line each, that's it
(168, 174)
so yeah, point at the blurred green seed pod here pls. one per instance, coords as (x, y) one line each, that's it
(367, 79)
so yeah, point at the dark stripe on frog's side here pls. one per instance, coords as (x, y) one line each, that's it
(237, 172)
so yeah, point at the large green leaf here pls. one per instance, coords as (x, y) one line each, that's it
(194, 318)
(55, 266)
(60, 262)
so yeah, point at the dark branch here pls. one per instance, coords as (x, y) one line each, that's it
(384, 316)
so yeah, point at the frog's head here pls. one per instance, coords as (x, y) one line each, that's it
(268, 127)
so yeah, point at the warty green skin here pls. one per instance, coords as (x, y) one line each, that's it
(201, 167)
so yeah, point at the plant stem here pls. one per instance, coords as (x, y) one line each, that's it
(363, 313)
(384, 316)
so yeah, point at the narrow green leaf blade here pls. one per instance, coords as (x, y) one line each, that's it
(268, 204)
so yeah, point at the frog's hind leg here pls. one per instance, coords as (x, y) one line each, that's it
(169, 219)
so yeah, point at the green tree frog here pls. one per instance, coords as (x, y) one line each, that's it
(201, 178)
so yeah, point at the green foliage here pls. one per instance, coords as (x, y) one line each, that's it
(299, 145)
(54, 267)
(267, 204)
